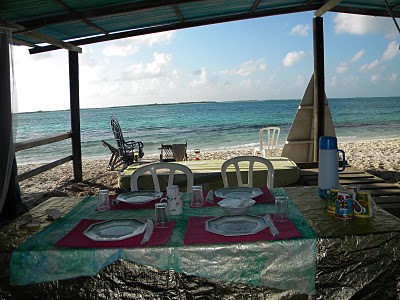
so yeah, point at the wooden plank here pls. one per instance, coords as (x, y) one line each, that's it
(360, 180)
(384, 192)
(387, 200)
(43, 168)
(346, 171)
(379, 185)
(358, 175)
(391, 208)
(41, 141)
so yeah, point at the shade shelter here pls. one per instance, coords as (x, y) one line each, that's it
(65, 24)
(70, 24)
(46, 26)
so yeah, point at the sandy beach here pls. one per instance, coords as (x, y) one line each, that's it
(378, 157)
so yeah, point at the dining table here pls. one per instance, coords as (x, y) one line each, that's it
(329, 258)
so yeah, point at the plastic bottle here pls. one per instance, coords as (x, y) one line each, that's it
(196, 154)
(328, 165)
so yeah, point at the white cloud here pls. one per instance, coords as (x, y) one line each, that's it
(375, 78)
(300, 81)
(130, 46)
(361, 25)
(202, 80)
(371, 66)
(391, 51)
(342, 67)
(293, 58)
(120, 50)
(300, 30)
(41, 80)
(246, 83)
(394, 77)
(152, 69)
(357, 56)
(249, 67)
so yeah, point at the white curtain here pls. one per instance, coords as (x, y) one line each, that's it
(8, 113)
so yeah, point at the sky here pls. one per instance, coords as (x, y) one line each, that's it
(260, 59)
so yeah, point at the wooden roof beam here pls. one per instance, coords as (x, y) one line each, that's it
(40, 36)
(101, 12)
(22, 42)
(254, 7)
(84, 20)
(178, 13)
(176, 26)
(326, 7)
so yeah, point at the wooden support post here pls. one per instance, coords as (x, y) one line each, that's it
(75, 115)
(6, 148)
(319, 83)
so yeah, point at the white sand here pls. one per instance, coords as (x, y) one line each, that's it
(378, 157)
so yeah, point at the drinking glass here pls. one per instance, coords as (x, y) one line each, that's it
(281, 209)
(161, 215)
(197, 199)
(103, 200)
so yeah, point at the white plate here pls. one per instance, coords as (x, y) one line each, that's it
(139, 196)
(115, 230)
(238, 192)
(236, 205)
(236, 225)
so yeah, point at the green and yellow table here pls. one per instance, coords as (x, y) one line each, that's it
(209, 171)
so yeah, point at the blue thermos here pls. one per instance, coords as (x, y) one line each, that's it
(328, 165)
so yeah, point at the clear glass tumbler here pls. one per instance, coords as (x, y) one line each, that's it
(161, 215)
(281, 209)
(197, 199)
(103, 200)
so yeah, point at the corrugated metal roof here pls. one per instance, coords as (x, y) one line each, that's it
(78, 21)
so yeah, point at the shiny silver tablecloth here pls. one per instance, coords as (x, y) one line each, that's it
(357, 258)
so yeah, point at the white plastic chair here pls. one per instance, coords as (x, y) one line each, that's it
(269, 147)
(153, 168)
(251, 160)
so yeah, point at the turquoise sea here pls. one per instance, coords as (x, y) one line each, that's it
(204, 125)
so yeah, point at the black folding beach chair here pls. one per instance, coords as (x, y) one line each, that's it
(173, 152)
(126, 149)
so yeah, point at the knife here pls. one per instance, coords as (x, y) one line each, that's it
(274, 231)
(148, 232)
(210, 196)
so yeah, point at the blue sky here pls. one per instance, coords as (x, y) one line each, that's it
(259, 59)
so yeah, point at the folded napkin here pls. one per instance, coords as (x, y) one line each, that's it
(196, 233)
(76, 238)
(266, 197)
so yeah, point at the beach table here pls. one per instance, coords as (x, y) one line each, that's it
(333, 259)
(208, 172)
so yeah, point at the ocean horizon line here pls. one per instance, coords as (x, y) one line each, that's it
(200, 102)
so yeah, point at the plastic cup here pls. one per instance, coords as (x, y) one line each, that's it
(103, 200)
(281, 209)
(161, 215)
(197, 199)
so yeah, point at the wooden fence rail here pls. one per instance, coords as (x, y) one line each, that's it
(40, 142)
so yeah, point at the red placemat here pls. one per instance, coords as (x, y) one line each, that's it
(196, 233)
(124, 205)
(76, 238)
(266, 197)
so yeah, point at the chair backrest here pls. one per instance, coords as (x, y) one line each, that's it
(251, 160)
(269, 146)
(119, 137)
(174, 152)
(153, 168)
(125, 148)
